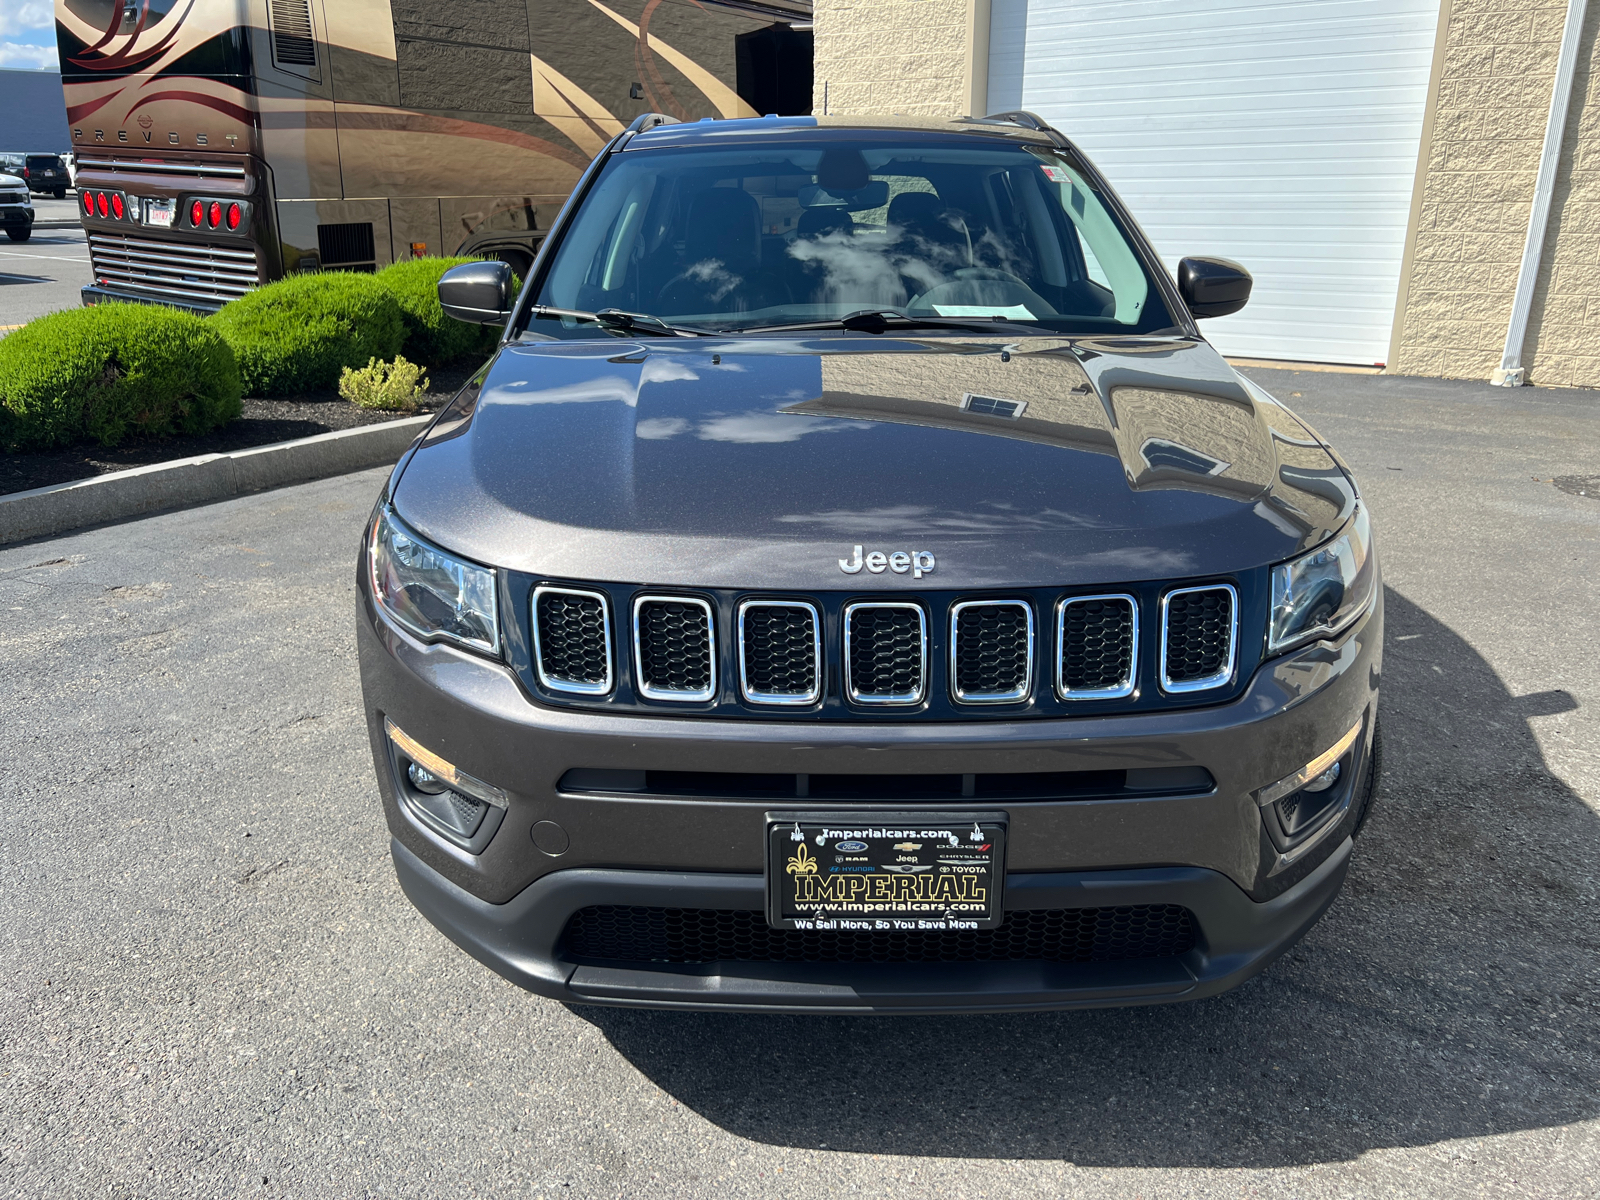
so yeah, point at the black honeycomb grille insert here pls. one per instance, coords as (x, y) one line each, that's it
(674, 646)
(887, 659)
(634, 933)
(1199, 634)
(780, 650)
(993, 650)
(573, 644)
(1096, 644)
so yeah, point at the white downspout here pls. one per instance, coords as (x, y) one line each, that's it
(1511, 372)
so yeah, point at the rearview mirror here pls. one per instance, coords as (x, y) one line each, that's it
(479, 293)
(874, 195)
(1213, 287)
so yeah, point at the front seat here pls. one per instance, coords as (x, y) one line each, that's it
(722, 258)
(930, 233)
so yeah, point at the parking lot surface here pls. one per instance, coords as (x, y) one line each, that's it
(210, 984)
(45, 273)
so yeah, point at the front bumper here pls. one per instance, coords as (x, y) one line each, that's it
(16, 217)
(509, 903)
(521, 940)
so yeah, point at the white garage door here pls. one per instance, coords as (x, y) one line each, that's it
(1279, 134)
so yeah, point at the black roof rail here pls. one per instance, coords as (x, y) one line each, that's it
(650, 121)
(1025, 119)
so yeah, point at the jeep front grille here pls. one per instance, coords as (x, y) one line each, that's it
(572, 640)
(886, 652)
(1098, 640)
(181, 270)
(780, 652)
(1198, 634)
(991, 651)
(675, 647)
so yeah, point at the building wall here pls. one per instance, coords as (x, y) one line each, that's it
(33, 113)
(1476, 193)
(880, 57)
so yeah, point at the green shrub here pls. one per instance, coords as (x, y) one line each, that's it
(392, 386)
(432, 337)
(297, 334)
(112, 372)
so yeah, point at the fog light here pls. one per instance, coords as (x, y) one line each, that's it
(1326, 780)
(1325, 763)
(425, 780)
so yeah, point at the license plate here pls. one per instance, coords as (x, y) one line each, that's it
(159, 213)
(900, 872)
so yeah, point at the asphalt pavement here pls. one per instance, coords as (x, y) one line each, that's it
(210, 984)
(49, 270)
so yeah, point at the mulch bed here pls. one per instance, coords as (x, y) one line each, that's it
(262, 423)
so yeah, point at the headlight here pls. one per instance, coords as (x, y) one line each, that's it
(432, 593)
(1322, 593)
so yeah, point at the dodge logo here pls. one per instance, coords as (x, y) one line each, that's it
(919, 562)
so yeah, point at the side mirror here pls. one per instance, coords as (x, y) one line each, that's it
(1211, 287)
(478, 292)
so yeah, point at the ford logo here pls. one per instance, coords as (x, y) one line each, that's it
(850, 847)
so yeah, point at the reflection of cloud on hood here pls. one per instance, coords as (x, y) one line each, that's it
(660, 369)
(754, 428)
(603, 387)
(912, 520)
(659, 429)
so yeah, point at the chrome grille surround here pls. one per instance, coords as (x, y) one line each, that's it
(1131, 675)
(814, 693)
(556, 683)
(651, 691)
(857, 696)
(187, 270)
(1219, 677)
(1009, 696)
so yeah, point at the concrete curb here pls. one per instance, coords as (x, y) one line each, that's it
(45, 511)
(55, 223)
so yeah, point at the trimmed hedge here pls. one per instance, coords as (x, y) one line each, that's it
(112, 372)
(431, 337)
(298, 334)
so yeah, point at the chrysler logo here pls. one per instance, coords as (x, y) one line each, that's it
(918, 562)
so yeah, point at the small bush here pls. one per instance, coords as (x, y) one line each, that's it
(112, 372)
(394, 386)
(432, 337)
(297, 334)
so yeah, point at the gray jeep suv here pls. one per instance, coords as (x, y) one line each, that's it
(856, 585)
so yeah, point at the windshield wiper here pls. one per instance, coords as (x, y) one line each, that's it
(613, 320)
(881, 320)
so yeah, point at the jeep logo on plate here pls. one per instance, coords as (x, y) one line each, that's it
(918, 562)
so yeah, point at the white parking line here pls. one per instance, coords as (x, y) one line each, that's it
(53, 257)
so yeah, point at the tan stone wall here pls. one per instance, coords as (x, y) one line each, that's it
(878, 57)
(1488, 131)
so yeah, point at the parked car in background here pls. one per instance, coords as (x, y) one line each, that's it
(45, 174)
(16, 209)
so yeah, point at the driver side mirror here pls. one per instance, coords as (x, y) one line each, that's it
(479, 292)
(1211, 287)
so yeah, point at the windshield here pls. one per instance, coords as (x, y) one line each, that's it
(44, 162)
(930, 227)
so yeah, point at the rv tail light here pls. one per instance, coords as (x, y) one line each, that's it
(214, 217)
(116, 205)
(100, 203)
(88, 204)
(197, 213)
(235, 215)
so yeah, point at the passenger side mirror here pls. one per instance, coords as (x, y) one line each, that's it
(479, 293)
(1211, 287)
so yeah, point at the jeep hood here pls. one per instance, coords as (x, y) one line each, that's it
(762, 462)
